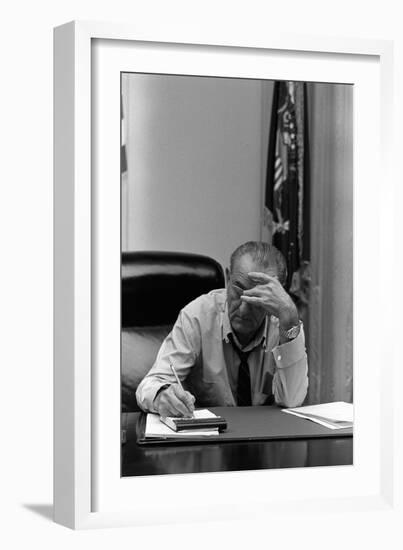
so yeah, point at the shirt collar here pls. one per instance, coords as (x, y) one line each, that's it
(259, 339)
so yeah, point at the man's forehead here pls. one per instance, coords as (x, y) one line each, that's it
(246, 264)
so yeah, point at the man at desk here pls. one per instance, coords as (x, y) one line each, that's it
(243, 345)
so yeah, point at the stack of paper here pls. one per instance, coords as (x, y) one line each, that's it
(335, 415)
(157, 429)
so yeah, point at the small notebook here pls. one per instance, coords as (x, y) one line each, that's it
(202, 419)
(156, 428)
(336, 415)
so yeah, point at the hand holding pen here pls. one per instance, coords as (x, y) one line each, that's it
(174, 400)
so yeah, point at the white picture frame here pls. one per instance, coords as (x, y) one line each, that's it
(88, 491)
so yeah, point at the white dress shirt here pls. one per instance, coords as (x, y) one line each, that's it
(206, 363)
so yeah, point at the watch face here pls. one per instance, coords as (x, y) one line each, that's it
(292, 332)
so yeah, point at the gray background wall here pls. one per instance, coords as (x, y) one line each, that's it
(195, 163)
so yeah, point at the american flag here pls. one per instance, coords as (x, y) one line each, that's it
(286, 211)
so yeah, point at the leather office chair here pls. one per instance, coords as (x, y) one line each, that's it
(155, 287)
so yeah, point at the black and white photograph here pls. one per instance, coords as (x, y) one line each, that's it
(236, 274)
(201, 221)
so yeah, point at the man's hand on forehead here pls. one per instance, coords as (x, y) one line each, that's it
(259, 279)
(250, 280)
(269, 294)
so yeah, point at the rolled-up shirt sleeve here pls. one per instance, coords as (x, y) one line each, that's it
(290, 379)
(180, 348)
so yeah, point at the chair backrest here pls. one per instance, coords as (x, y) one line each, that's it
(155, 287)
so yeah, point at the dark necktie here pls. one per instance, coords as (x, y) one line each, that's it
(244, 397)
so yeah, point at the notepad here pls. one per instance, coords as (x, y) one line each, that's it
(202, 419)
(156, 429)
(336, 415)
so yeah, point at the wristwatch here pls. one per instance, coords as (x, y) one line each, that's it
(292, 332)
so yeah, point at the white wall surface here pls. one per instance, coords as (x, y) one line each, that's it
(194, 181)
(26, 274)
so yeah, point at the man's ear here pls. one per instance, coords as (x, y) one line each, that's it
(227, 275)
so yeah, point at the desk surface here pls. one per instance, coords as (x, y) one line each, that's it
(227, 455)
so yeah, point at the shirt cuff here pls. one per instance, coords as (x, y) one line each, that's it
(287, 354)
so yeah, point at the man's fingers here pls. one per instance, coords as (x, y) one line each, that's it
(259, 302)
(254, 300)
(185, 399)
(179, 406)
(175, 401)
(190, 401)
(261, 277)
(258, 291)
(182, 394)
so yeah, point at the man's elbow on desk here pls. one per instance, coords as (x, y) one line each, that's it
(291, 399)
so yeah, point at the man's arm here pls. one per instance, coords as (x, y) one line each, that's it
(180, 348)
(290, 379)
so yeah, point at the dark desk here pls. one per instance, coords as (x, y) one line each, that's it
(231, 455)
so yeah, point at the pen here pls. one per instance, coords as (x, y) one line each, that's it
(177, 380)
(176, 376)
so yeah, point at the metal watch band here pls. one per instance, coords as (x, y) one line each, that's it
(292, 332)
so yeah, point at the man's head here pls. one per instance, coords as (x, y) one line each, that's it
(251, 256)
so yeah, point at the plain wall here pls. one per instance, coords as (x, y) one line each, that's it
(195, 162)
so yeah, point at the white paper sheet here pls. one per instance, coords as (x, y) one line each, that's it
(336, 415)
